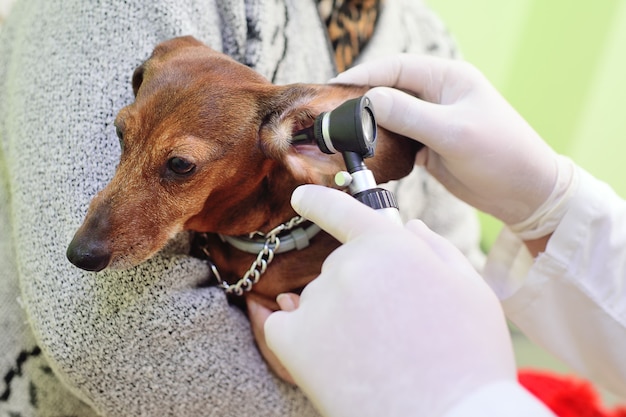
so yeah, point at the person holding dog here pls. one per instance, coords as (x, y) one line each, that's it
(399, 323)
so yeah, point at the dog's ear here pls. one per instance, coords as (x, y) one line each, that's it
(296, 107)
(175, 43)
(159, 52)
(138, 78)
(293, 109)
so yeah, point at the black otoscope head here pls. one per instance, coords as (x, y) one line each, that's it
(348, 128)
(351, 130)
(351, 127)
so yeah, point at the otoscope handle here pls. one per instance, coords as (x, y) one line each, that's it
(381, 200)
(363, 187)
(377, 198)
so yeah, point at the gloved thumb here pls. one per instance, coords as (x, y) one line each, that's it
(337, 213)
(408, 115)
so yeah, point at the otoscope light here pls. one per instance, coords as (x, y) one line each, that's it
(351, 130)
(351, 127)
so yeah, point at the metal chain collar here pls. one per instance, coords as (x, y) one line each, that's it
(259, 265)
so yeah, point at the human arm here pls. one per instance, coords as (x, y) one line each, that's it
(483, 151)
(570, 299)
(477, 145)
(398, 323)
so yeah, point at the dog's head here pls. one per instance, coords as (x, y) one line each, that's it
(206, 146)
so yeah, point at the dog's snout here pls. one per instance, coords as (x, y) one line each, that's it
(88, 255)
(90, 248)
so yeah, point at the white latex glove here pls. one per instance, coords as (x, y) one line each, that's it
(477, 145)
(397, 324)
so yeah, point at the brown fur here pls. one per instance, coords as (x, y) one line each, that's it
(235, 127)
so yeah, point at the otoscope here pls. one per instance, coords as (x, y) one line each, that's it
(351, 130)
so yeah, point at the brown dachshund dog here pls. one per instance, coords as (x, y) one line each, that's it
(207, 147)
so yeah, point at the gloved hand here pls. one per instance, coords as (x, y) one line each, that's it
(477, 145)
(397, 324)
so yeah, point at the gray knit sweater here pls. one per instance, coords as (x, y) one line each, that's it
(147, 341)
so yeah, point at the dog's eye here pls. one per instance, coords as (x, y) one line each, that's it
(181, 166)
(120, 136)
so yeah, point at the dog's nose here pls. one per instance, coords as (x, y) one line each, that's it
(88, 255)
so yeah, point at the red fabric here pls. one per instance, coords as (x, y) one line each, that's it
(567, 396)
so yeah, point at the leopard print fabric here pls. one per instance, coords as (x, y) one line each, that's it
(350, 25)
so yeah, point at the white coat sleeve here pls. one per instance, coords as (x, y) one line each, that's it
(571, 299)
(505, 398)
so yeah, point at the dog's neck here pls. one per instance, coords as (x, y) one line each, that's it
(293, 234)
(273, 229)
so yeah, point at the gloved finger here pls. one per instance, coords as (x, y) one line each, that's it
(426, 76)
(437, 243)
(444, 249)
(376, 72)
(278, 336)
(258, 316)
(410, 116)
(387, 71)
(337, 213)
(288, 301)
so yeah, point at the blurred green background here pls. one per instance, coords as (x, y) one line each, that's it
(562, 64)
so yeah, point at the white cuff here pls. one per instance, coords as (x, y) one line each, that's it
(547, 217)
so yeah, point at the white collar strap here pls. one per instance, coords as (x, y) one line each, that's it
(297, 238)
